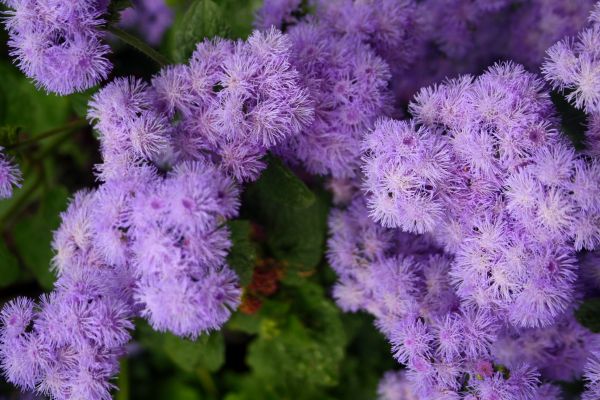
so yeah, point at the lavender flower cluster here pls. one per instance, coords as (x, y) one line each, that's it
(151, 240)
(10, 176)
(470, 230)
(59, 44)
(150, 17)
(463, 243)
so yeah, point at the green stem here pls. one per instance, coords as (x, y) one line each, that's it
(123, 381)
(138, 45)
(207, 382)
(75, 124)
(21, 202)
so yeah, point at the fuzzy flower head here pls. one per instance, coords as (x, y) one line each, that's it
(482, 169)
(179, 248)
(235, 101)
(60, 46)
(10, 176)
(573, 66)
(150, 17)
(348, 83)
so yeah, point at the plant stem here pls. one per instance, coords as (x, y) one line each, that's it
(21, 202)
(123, 381)
(75, 124)
(207, 382)
(138, 45)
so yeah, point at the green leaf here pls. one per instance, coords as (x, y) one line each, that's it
(242, 254)
(79, 101)
(33, 235)
(175, 389)
(245, 323)
(203, 19)
(301, 340)
(296, 234)
(21, 104)
(240, 16)
(9, 135)
(284, 187)
(9, 266)
(207, 351)
(588, 314)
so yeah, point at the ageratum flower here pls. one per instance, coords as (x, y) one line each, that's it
(10, 176)
(348, 83)
(573, 66)
(150, 17)
(592, 377)
(482, 168)
(68, 345)
(59, 44)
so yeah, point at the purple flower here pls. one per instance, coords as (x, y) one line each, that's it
(592, 377)
(59, 45)
(10, 176)
(150, 17)
(348, 84)
(573, 65)
(277, 13)
(395, 386)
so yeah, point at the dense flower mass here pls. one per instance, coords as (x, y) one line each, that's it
(348, 83)
(234, 101)
(10, 176)
(465, 222)
(482, 168)
(59, 44)
(231, 104)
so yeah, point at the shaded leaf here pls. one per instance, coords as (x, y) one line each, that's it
(588, 314)
(203, 19)
(242, 254)
(9, 266)
(207, 351)
(33, 235)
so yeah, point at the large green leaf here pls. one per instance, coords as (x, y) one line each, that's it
(294, 218)
(33, 235)
(301, 341)
(206, 352)
(203, 19)
(21, 104)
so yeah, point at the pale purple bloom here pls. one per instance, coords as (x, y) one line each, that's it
(150, 17)
(10, 176)
(348, 84)
(395, 386)
(59, 45)
(573, 67)
(277, 13)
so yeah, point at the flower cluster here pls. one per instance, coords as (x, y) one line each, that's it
(348, 84)
(482, 168)
(574, 66)
(234, 101)
(59, 44)
(450, 348)
(150, 17)
(10, 176)
(68, 345)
